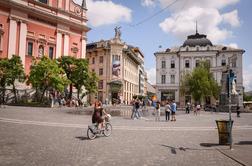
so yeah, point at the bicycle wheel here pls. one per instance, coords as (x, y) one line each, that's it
(108, 130)
(90, 134)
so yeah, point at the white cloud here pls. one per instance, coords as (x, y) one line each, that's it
(151, 75)
(185, 13)
(233, 45)
(148, 3)
(106, 12)
(247, 78)
(231, 18)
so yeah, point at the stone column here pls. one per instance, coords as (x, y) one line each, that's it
(12, 38)
(66, 45)
(67, 5)
(22, 42)
(59, 45)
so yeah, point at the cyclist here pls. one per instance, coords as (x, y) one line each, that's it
(97, 116)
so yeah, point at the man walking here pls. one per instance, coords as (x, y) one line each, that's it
(173, 110)
(157, 116)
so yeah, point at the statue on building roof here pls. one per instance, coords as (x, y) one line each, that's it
(118, 32)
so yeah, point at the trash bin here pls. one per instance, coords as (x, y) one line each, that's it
(224, 132)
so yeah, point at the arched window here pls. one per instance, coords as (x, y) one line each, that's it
(41, 51)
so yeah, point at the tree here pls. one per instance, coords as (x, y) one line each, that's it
(80, 76)
(4, 65)
(45, 75)
(91, 85)
(200, 83)
(15, 72)
(67, 63)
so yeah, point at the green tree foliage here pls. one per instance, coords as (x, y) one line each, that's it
(4, 65)
(79, 75)
(46, 75)
(15, 72)
(68, 64)
(91, 85)
(200, 83)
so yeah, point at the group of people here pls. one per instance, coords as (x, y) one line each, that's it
(136, 109)
(170, 108)
(56, 97)
(189, 107)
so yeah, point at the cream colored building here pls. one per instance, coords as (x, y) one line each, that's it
(119, 67)
(172, 63)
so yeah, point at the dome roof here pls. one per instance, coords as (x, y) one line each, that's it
(197, 40)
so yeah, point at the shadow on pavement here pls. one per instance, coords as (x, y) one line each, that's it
(209, 144)
(244, 143)
(82, 138)
(174, 149)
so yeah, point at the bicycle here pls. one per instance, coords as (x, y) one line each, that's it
(93, 130)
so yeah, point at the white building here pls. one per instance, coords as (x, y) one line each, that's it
(172, 63)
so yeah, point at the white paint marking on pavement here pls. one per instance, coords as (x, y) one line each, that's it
(132, 128)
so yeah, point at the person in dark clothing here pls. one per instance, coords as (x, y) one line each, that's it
(97, 116)
(238, 110)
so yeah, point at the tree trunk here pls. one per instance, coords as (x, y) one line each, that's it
(70, 91)
(78, 93)
(42, 96)
(14, 92)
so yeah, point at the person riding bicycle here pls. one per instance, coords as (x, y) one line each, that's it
(97, 116)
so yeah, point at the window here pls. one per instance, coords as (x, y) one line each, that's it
(100, 84)
(43, 1)
(51, 49)
(187, 64)
(208, 62)
(88, 60)
(197, 63)
(223, 62)
(93, 70)
(172, 79)
(233, 62)
(41, 51)
(163, 65)
(30, 48)
(163, 79)
(93, 60)
(100, 71)
(101, 59)
(172, 64)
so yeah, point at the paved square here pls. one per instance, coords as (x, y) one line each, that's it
(45, 136)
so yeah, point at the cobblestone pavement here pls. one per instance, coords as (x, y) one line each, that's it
(44, 136)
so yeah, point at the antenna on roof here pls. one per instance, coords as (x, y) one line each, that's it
(196, 26)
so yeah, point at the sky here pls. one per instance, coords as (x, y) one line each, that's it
(154, 25)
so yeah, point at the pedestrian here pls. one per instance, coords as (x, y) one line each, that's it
(197, 110)
(157, 115)
(137, 106)
(188, 107)
(238, 110)
(167, 111)
(173, 110)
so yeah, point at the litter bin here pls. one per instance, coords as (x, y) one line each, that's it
(224, 131)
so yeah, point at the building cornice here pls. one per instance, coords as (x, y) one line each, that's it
(46, 15)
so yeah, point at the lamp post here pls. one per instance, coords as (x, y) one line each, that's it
(229, 104)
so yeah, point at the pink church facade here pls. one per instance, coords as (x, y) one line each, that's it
(36, 28)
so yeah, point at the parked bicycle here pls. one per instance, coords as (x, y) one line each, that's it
(93, 130)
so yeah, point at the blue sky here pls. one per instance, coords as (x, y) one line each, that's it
(227, 22)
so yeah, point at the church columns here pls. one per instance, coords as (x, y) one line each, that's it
(22, 42)
(59, 45)
(66, 45)
(12, 38)
(83, 47)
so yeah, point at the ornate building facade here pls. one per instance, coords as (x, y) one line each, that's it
(172, 63)
(36, 28)
(120, 68)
